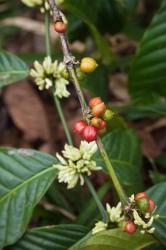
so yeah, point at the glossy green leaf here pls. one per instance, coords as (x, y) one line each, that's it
(79, 8)
(134, 112)
(90, 212)
(59, 237)
(97, 82)
(116, 239)
(123, 149)
(147, 77)
(157, 193)
(25, 177)
(12, 69)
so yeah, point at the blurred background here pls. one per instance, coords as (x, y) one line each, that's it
(111, 31)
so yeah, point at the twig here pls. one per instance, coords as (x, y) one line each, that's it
(70, 62)
(63, 120)
(56, 100)
(46, 205)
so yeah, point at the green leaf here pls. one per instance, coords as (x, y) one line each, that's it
(157, 193)
(89, 212)
(157, 177)
(97, 82)
(116, 239)
(12, 69)
(59, 237)
(25, 177)
(134, 112)
(147, 77)
(79, 8)
(123, 149)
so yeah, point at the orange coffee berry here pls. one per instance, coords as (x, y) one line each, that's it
(60, 27)
(94, 101)
(99, 109)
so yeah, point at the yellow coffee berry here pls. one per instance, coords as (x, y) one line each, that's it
(88, 65)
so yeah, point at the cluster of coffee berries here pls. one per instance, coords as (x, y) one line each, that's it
(140, 211)
(96, 121)
(144, 203)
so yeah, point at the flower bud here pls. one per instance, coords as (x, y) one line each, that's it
(65, 74)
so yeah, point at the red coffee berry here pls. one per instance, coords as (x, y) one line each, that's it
(130, 227)
(96, 122)
(141, 195)
(152, 206)
(103, 125)
(60, 27)
(79, 127)
(99, 109)
(94, 101)
(89, 133)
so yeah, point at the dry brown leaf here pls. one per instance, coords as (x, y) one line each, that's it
(27, 111)
(29, 25)
(157, 125)
(148, 145)
(118, 85)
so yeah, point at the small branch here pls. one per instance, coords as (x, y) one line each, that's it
(49, 207)
(62, 117)
(56, 100)
(96, 198)
(70, 64)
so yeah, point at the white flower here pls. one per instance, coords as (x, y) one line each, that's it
(115, 213)
(88, 149)
(32, 3)
(132, 198)
(144, 225)
(61, 90)
(73, 165)
(151, 231)
(43, 4)
(71, 153)
(48, 74)
(99, 227)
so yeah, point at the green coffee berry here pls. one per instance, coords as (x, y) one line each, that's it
(108, 115)
(80, 74)
(143, 205)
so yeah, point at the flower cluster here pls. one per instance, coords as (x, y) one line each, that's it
(49, 74)
(76, 163)
(43, 4)
(142, 208)
(137, 214)
(114, 215)
(144, 225)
